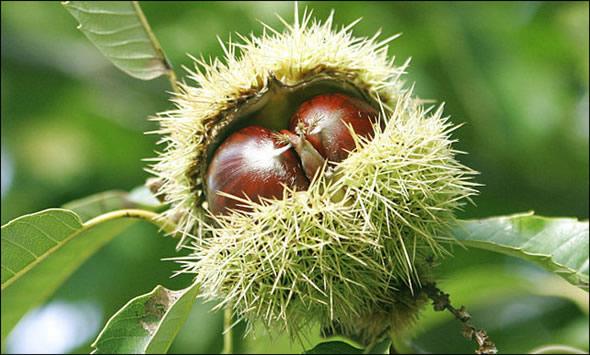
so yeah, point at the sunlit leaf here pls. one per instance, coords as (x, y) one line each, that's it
(147, 324)
(120, 31)
(559, 245)
(40, 251)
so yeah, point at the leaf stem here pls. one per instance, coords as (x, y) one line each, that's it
(169, 70)
(164, 224)
(227, 335)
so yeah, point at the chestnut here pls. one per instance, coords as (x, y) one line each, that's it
(251, 163)
(323, 121)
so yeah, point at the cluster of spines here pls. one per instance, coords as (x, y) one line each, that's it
(347, 247)
(304, 49)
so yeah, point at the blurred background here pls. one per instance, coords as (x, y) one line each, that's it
(516, 73)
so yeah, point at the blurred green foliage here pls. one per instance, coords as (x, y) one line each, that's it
(516, 73)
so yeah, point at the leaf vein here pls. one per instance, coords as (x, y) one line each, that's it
(107, 33)
(126, 42)
(133, 57)
(73, 228)
(43, 233)
(8, 269)
(22, 247)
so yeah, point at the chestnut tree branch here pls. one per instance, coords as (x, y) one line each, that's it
(441, 301)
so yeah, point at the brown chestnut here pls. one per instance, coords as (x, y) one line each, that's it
(323, 121)
(253, 162)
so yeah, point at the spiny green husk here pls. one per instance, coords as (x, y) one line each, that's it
(352, 251)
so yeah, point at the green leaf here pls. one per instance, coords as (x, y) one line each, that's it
(559, 245)
(89, 207)
(40, 251)
(334, 347)
(147, 324)
(121, 33)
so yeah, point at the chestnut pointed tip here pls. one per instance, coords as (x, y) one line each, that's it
(311, 160)
(292, 138)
